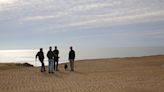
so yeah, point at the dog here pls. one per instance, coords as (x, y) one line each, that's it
(65, 67)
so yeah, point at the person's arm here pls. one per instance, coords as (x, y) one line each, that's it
(54, 55)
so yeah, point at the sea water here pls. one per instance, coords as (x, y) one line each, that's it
(22, 56)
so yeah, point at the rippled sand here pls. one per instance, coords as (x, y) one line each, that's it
(143, 74)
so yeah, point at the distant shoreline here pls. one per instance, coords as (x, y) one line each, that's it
(119, 57)
(30, 65)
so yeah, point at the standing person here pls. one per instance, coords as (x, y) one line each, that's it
(40, 55)
(50, 56)
(56, 58)
(71, 58)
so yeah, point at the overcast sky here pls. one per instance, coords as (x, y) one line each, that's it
(28, 24)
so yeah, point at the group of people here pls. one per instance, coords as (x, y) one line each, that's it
(53, 59)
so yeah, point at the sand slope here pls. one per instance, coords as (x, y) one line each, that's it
(144, 74)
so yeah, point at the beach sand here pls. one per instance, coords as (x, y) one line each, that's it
(136, 74)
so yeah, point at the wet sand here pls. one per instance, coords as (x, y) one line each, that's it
(135, 74)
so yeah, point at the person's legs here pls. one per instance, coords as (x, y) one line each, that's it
(44, 67)
(72, 64)
(54, 65)
(49, 65)
(41, 65)
(57, 65)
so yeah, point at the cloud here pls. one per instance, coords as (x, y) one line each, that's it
(108, 20)
(45, 17)
(60, 14)
(91, 6)
(26, 20)
(7, 2)
(67, 12)
(150, 34)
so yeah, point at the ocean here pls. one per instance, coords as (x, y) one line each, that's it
(22, 56)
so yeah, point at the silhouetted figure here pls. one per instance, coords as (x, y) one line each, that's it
(56, 58)
(50, 56)
(71, 58)
(65, 67)
(40, 55)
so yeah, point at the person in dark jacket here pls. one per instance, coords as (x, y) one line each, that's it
(40, 55)
(71, 58)
(56, 58)
(50, 56)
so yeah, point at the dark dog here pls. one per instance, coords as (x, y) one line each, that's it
(65, 66)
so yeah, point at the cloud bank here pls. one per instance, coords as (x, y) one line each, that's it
(19, 18)
(81, 13)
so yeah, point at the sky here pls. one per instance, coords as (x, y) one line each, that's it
(28, 24)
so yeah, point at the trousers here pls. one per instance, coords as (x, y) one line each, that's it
(50, 65)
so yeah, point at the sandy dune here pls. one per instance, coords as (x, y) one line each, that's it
(144, 74)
